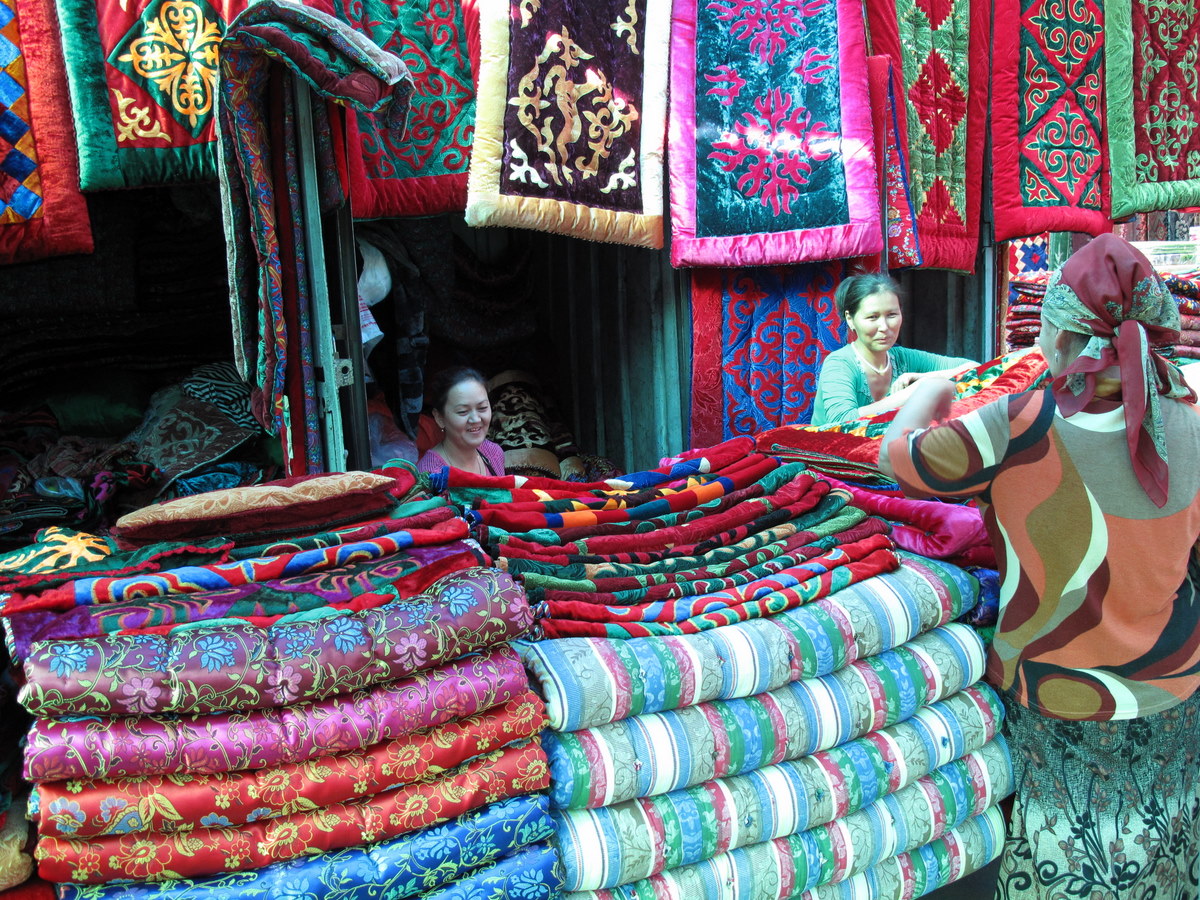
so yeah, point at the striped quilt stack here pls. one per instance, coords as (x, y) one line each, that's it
(758, 698)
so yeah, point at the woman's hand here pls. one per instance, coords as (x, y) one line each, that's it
(903, 381)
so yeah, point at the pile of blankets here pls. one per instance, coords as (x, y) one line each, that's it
(751, 691)
(1023, 321)
(303, 688)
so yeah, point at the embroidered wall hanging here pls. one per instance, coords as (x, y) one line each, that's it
(1153, 95)
(42, 212)
(891, 151)
(772, 150)
(423, 169)
(143, 81)
(1049, 163)
(759, 337)
(260, 194)
(571, 113)
(943, 48)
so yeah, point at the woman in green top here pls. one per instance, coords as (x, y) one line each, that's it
(871, 375)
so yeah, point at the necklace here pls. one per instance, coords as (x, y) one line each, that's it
(867, 364)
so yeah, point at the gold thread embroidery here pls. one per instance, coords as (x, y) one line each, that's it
(135, 121)
(178, 53)
(627, 28)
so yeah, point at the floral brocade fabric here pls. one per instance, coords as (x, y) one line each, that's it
(182, 802)
(92, 747)
(1104, 809)
(236, 666)
(153, 857)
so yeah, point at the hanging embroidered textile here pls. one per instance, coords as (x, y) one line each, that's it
(143, 79)
(421, 170)
(570, 124)
(1049, 162)
(943, 50)
(42, 212)
(891, 151)
(758, 338)
(261, 195)
(772, 149)
(1152, 88)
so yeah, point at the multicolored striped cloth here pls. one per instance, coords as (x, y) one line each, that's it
(786, 866)
(87, 748)
(608, 847)
(404, 867)
(593, 681)
(958, 853)
(659, 752)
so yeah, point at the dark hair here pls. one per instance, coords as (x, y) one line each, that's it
(447, 380)
(857, 288)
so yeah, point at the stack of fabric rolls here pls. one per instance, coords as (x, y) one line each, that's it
(751, 692)
(304, 688)
(1023, 321)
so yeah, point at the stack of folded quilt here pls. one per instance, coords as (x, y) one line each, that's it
(751, 691)
(306, 686)
(1023, 321)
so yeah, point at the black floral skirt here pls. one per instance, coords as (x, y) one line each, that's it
(1104, 810)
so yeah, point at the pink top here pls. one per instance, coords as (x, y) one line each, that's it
(492, 453)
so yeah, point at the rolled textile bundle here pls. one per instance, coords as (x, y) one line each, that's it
(958, 853)
(607, 847)
(400, 868)
(193, 579)
(659, 752)
(165, 804)
(234, 665)
(359, 584)
(59, 749)
(832, 571)
(594, 681)
(205, 851)
(530, 874)
(785, 867)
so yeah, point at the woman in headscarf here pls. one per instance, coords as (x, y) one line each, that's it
(1091, 495)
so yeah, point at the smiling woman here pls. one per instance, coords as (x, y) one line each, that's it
(463, 412)
(871, 375)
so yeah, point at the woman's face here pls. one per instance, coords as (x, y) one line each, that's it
(466, 416)
(877, 321)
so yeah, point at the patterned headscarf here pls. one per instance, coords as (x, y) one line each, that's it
(1109, 291)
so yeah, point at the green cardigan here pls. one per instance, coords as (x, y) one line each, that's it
(842, 387)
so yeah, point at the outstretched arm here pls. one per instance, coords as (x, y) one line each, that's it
(928, 400)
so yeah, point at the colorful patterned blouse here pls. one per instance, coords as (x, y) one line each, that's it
(1100, 610)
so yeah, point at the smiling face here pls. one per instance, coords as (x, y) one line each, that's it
(876, 322)
(466, 415)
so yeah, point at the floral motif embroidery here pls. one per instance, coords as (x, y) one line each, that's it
(776, 148)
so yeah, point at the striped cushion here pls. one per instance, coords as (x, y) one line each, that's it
(592, 681)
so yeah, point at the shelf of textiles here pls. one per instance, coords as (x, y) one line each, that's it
(1023, 319)
(731, 676)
